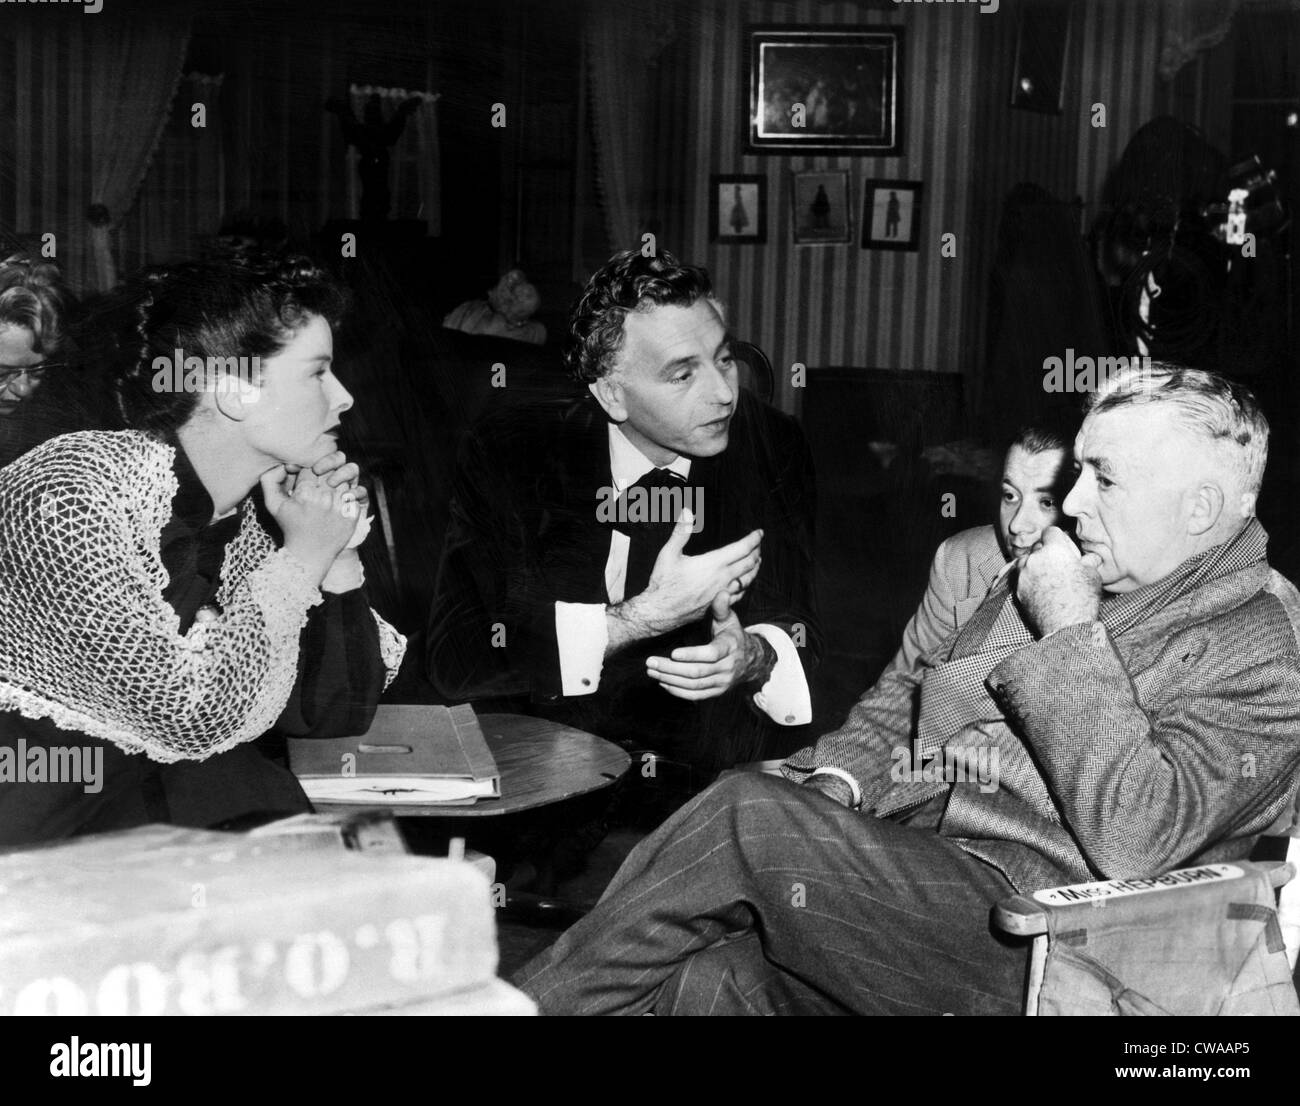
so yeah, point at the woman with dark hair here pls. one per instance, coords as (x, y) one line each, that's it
(172, 591)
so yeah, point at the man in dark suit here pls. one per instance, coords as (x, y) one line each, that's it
(637, 557)
(1134, 707)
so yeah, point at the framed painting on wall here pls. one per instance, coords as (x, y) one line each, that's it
(824, 89)
(821, 214)
(891, 214)
(737, 209)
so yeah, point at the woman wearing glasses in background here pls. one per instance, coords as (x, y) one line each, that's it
(39, 396)
(33, 315)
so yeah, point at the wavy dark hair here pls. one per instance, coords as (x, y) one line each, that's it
(628, 281)
(1056, 430)
(246, 306)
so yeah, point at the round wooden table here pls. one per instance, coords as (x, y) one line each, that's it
(540, 762)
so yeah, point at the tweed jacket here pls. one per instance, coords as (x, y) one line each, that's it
(1175, 742)
(961, 574)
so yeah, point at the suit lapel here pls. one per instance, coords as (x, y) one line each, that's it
(723, 480)
(574, 545)
(990, 566)
(706, 479)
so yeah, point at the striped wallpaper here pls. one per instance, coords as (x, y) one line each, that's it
(842, 305)
(819, 305)
(1121, 45)
(45, 178)
(839, 304)
(1109, 60)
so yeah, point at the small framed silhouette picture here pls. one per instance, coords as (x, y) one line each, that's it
(891, 214)
(738, 213)
(821, 214)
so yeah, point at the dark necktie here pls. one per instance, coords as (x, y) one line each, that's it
(646, 512)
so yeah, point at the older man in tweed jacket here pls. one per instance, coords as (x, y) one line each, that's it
(1138, 702)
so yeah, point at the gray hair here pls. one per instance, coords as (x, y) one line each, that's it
(32, 297)
(1223, 412)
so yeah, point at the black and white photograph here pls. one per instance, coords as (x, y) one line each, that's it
(647, 507)
(739, 213)
(821, 213)
(891, 214)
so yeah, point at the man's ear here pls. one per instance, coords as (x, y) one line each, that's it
(609, 394)
(1207, 508)
(233, 396)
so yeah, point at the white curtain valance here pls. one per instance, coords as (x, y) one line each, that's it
(391, 93)
(623, 46)
(414, 168)
(136, 67)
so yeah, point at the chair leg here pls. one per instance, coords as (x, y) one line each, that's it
(386, 521)
(1037, 964)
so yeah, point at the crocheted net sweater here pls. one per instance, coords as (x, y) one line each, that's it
(86, 638)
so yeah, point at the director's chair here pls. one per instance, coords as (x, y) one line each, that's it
(1203, 940)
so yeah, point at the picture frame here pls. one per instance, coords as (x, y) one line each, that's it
(821, 211)
(831, 89)
(1038, 76)
(891, 214)
(737, 209)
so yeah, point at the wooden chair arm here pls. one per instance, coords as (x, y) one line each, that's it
(1026, 915)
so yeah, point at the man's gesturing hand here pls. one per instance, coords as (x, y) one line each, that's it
(681, 588)
(1057, 586)
(707, 671)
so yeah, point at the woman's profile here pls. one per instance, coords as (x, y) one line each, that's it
(172, 591)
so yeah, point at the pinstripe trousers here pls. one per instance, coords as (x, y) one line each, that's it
(763, 897)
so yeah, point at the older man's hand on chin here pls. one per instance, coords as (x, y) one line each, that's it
(1057, 585)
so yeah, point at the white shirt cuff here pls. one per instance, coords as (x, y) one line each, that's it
(582, 636)
(345, 574)
(784, 698)
(839, 773)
